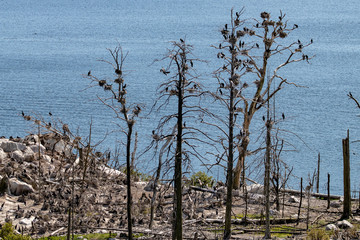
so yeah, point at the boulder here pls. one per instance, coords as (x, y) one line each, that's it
(256, 198)
(335, 204)
(150, 186)
(331, 227)
(9, 146)
(27, 221)
(112, 172)
(18, 156)
(3, 155)
(31, 139)
(344, 224)
(293, 199)
(57, 145)
(18, 187)
(29, 154)
(274, 212)
(35, 148)
(255, 188)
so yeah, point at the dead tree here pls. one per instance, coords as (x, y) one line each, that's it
(267, 36)
(177, 129)
(228, 94)
(125, 112)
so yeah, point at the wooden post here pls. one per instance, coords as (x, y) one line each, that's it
(318, 175)
(347, 193)
(328, 190)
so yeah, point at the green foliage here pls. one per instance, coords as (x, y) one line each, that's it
(317, 234)
(91, 236)
(7, 233)
(201, 179)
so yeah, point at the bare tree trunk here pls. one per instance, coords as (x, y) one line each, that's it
(134, 152)
(347, 193)
(128, 180)
(318, 175)
(177, 234)
(267, 178)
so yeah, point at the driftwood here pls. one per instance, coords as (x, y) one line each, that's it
(293, 232)
(254, 221)
(319, 195)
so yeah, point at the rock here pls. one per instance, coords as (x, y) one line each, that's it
(150, 186)
(112, 172)
(3, 155)
(255, 188)
(18, 187)
(57, 145)
(18, 156)
(35, 148)
(331, 227)
(256, 198)
(9, 146)
(236, 193)
(293, 199)
(273, 212)
(46, 158)
(344, 224)
(335, 204)
(31, 139)
(29, 154)
(27, 221)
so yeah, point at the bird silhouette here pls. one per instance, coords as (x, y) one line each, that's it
(89, 73)
(283, 116)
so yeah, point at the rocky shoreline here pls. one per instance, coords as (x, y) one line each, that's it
(42, 179)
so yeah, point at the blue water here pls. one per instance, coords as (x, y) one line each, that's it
(47, 46)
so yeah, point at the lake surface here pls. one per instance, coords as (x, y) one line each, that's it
(46, 47)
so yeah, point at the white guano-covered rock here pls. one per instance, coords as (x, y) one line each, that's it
(331, 227)
(17, 156)
(27, 221)
(344, 224)
(255, 188)
(112, 172)
(35, 148)
(10, 146)
(29, 154)
(256, 198)
(18, 187)
(3, 155)
(293, 199)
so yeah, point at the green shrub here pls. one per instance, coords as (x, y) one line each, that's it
(201, 179)
(317, 234)
(7, 233)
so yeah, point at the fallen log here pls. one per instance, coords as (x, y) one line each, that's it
(254, 221)
(319, 195)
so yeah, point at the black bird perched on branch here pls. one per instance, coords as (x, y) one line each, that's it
(22, 113)
(89, 73)
(50, 113)
(283, 116)
(164, 71)
(181, 40)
